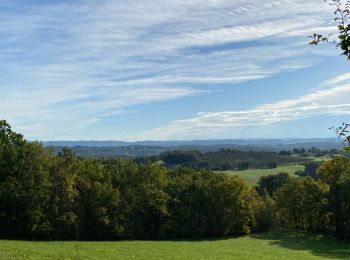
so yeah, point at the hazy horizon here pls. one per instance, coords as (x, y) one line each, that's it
(198, 140)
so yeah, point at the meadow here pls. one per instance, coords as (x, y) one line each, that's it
(259, 246)
(252, 176)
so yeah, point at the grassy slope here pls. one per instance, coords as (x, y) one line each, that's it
(252, 176)
(261, 246)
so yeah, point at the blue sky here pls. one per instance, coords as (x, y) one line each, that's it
(170, 70)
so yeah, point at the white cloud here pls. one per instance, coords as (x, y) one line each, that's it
(243, 33)
(60, 110)
(338, 79)
(331, 101)
(65, 65)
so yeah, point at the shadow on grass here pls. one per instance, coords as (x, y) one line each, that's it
(316, 245)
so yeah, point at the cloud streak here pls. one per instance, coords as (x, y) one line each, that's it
(330, 101)
(73, 64)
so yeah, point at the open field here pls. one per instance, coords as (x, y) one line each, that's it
(260, 246)
(322, 158)
(252, 176)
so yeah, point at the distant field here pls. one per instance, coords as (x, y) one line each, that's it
(321, 158)
(252, 176)
(262, 246)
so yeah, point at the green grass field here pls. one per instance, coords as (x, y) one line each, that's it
(319, 159)
(252, 176)
(261, 246)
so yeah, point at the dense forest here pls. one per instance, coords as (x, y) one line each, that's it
(226, 159)
(230, 159)
(50, 195)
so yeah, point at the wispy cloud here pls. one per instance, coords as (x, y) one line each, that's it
(71, 64)
(338, 79)
(331, 101)
(74, 110)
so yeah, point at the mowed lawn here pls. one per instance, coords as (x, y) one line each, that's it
(252, 176)
(261, 246)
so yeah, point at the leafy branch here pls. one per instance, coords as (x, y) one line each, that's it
(342, 133)
(342, 13)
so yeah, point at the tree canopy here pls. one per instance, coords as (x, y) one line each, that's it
(49, 195)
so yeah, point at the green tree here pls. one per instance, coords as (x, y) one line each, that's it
(208, 204)
(143, 197)
(336, 173)
(289, 204)
(315, 204)
(301, 204)
(64, 170)
(265, 213)
(271, 183)
(98, 203)
(23, 186)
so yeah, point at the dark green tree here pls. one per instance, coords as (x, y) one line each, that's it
(336, 174)
(64, 170)
(301, 204)
(99, 202)
(23, 186)
(271, 183)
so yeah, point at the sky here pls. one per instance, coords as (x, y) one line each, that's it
(170, 70)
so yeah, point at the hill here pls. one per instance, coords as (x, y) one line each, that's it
(149, 148)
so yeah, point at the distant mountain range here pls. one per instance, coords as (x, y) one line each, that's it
(148, 148)
(325, 143)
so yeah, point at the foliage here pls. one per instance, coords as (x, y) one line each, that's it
(224, 159)
(44, 195)
(266, 213)
(271, 183)
(310, 170)
(336, 174)
(23, 186)
(49, 195)
(342, 133)
(301, 204)
(341, 20)
(206, 204)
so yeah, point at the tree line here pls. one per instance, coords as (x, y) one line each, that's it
(46, 195)
(222, 160)
(321, 205)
